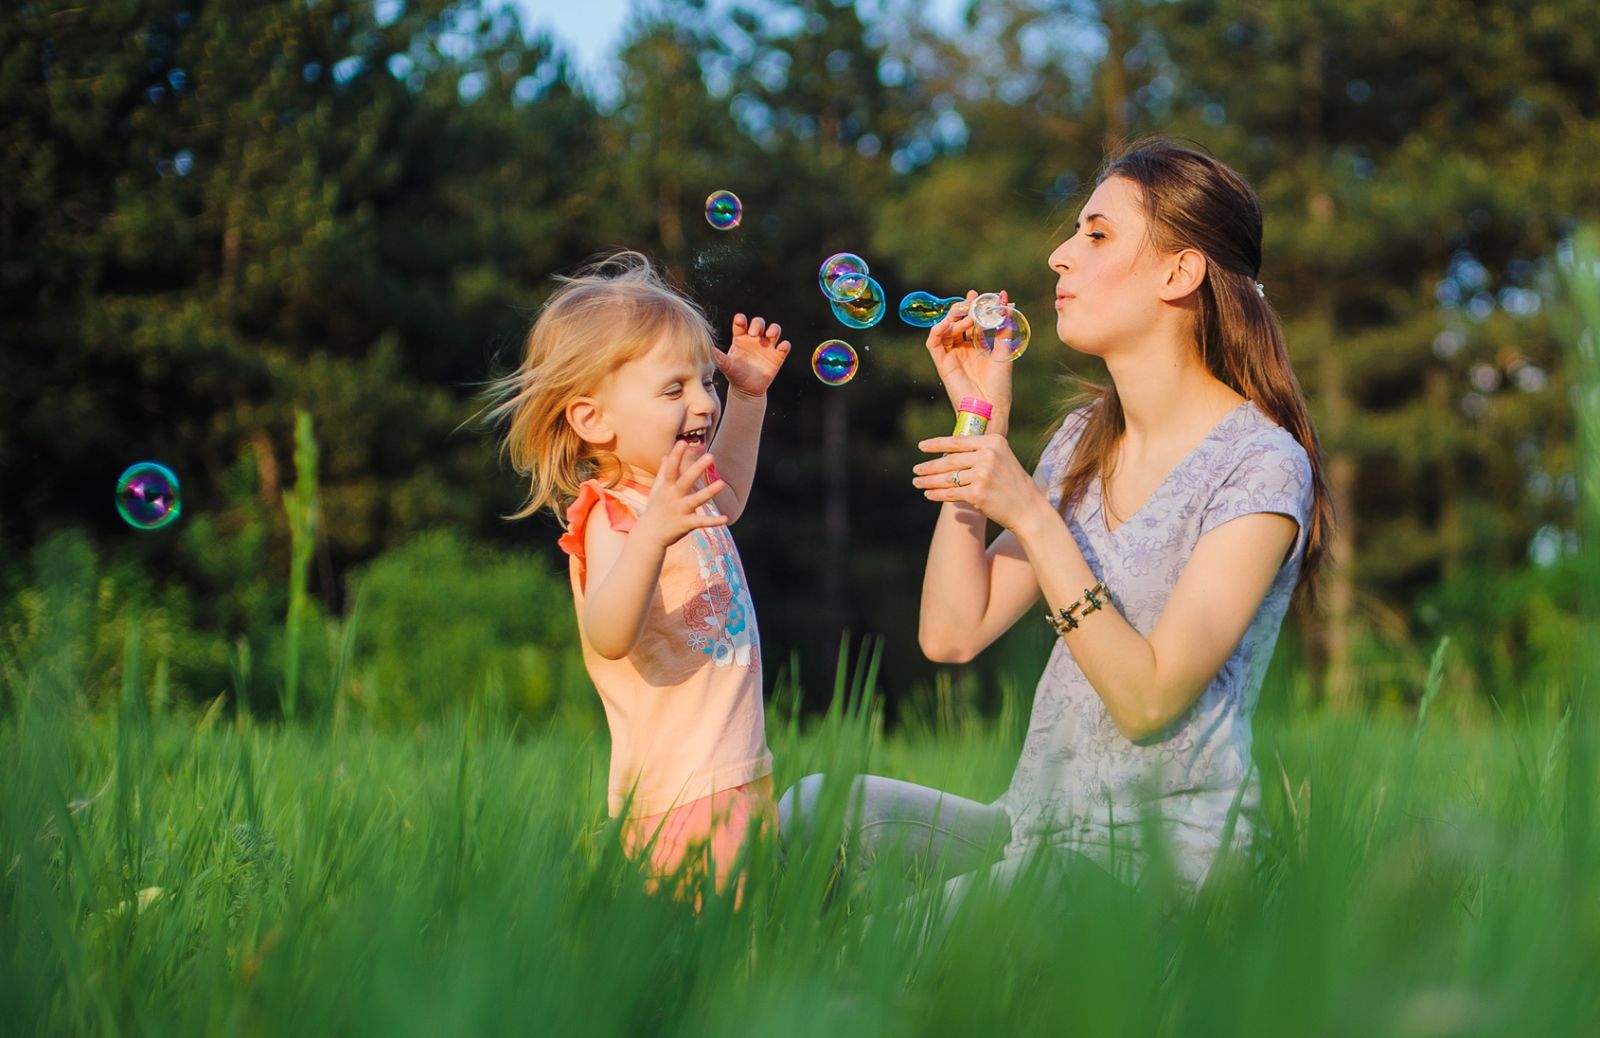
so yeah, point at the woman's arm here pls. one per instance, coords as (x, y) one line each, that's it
(971, 596)
(1146, 684)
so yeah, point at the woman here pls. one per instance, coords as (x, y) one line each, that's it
(1167, 526)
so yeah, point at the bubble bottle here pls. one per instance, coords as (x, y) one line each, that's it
(972, 416)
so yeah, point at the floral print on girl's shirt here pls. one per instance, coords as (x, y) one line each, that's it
(719, 614)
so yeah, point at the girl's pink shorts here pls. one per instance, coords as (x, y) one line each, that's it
(706, 833)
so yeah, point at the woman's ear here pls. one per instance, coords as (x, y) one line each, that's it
(1185, 271)
(589, 422)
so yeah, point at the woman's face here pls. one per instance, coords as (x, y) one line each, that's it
(1109, 276)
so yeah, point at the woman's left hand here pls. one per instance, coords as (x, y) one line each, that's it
(980, 471)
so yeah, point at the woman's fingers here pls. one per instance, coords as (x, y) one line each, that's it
(959, 444)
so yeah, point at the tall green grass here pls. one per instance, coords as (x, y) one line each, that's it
(172, 873)
(168, 871)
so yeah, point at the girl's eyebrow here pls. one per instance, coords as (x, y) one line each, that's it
(1091, 218)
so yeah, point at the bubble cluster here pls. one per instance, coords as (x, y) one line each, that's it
(924, 309)
(1009, 335)
(865, 309)
(723, 210)
(843, 276)
(835, 362)
(147, 496)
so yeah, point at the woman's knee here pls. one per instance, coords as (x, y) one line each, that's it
(797, 809)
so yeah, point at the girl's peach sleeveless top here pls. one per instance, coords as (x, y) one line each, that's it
(684, 707)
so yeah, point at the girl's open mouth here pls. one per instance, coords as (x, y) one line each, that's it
(697, 438)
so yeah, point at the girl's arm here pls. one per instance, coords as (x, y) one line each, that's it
(754, 356)
(736, 444)
(623, 568)
(1145, 683)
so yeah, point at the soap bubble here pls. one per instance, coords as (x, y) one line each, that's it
(1010, 336)
(843, 276)
(147, 496)
(986, 310)
(835, 362)
(723, 210)
(924, 309)
(865, 309)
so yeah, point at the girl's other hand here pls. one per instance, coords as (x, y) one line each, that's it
(753, 357)
(965, 369)
(673, 508)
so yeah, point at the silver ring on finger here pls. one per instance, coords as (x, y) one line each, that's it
(955, 478)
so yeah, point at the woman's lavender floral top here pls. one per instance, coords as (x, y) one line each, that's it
(1080, 783)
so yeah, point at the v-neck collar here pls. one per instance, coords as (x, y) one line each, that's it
(1098, 511)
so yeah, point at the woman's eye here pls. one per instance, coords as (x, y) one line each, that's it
(1097, 235)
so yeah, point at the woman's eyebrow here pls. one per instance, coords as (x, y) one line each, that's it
(1090, 219)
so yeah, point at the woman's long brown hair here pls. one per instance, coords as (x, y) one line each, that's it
(1193, 201)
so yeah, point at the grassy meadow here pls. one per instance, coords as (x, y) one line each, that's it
(186, 873)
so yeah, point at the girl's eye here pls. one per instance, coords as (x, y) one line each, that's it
(1097, 235)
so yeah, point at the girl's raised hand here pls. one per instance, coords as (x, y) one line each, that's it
(753, 357)
(673, 508)
(965, 369)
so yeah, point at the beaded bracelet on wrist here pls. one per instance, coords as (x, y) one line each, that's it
(1066, 619)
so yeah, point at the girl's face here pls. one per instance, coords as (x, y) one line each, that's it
(650, 403)
(1109, 276)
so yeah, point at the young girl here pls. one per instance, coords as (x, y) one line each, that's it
(614, 417)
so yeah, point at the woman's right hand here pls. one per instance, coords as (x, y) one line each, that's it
(964, 368)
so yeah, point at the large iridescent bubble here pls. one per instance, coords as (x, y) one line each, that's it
(723, 210)
(148, 496)
(1009, 337)
(864, 309)
(986, 310)
(842, 276)
(835, 362)
(924, 309)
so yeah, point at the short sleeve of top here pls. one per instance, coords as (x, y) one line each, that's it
(1272, 474)
(1053, 462)
(616, 512)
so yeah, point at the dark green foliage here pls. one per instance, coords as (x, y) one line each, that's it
(213, 215)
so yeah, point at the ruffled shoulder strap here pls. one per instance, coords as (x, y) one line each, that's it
(592, 492)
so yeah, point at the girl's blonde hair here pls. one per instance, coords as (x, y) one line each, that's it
(609, 313)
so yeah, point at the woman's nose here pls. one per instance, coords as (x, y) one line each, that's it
(1058, 258)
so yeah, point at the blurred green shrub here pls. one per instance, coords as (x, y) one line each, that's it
(442, 623)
